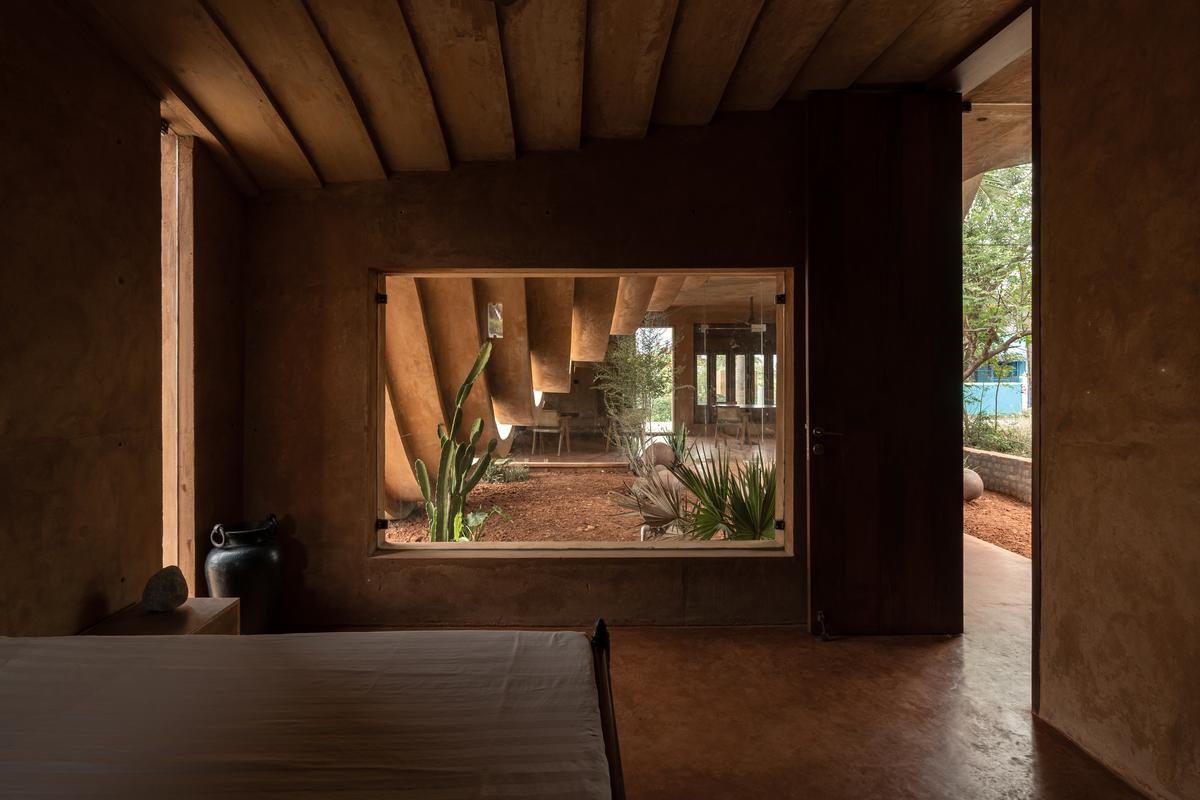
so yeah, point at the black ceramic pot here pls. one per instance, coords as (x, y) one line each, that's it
(246, 562)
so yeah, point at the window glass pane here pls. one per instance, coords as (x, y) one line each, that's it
(694, 375)
(739, 378)
(656, 346)
(760, 375)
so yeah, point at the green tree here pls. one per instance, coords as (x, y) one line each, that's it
(997, 268)
(635, 371)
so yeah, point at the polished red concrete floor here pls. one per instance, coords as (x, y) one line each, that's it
(775, 713)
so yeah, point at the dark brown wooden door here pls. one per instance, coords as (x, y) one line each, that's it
(885, 306)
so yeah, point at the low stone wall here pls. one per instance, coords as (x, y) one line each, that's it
(1010, 475)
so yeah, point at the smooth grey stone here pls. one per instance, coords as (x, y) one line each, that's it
(972, 485)
(659, 454)
(166, 590)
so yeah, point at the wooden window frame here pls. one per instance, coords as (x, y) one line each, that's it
(178, 355)
(790, 496)
(698, 409)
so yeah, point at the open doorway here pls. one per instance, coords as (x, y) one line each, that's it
(657, 345)
(998, 404)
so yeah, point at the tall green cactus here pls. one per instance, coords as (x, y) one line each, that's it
(445, 500)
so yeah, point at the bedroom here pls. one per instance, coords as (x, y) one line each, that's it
(200, 199)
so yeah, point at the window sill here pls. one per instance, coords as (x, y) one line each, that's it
(582, 550)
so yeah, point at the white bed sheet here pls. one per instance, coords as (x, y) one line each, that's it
(403, 714)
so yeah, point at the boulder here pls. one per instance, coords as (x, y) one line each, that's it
(659, 454)
(668, 478)
(972, 485)
(166, 590)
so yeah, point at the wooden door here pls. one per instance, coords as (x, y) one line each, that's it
(885, 402)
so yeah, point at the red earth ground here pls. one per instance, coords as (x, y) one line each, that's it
(1001, 520)
(573, 505)
(554, 505)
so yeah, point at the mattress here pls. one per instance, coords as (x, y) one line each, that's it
(404, 714)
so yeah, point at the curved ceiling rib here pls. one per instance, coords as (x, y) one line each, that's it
(400, 485)
(294, 93)
(185, 41)
(179, 110)
(782, 40)
(633, 299)
(459, 44)
(626, 42)
(666, 289)
(863, 30)
(705, 45)
(549, 309)
(284, 48)
(592, 316)
(408, 362)
(508, 371)
(370, 41)
(544, 46)
(452, 326)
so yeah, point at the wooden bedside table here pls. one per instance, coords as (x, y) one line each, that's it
(199, 615)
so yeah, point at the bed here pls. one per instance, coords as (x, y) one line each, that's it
(403, 714)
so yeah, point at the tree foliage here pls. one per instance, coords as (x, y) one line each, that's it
(997, 268)
(635, 371)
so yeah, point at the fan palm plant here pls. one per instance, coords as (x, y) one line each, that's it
(708, 480)
(752, 501)
(659, 501)
(732, 503)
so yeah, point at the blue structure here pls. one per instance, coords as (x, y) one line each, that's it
(998, 399)
(995, 394)
(1013, 372)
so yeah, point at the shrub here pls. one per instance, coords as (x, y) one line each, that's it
(677, 440)
(735, 502)
(502, 470)
(988, 433)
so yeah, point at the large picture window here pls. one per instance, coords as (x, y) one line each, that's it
(630, 411)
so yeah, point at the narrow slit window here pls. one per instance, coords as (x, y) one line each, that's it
(760, 379)
(721, 382)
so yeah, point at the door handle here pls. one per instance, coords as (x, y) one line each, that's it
(818, 432)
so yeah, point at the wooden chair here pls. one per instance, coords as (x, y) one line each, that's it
(612, 434)
(546, 421)
(729, 417)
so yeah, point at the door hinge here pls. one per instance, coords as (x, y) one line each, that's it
(381, 298)
(381, 524)
(780, 299)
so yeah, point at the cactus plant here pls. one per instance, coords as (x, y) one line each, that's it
(458, 471)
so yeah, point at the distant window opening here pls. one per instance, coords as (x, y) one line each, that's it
(658, 345)
(495, 320)
(701, 382)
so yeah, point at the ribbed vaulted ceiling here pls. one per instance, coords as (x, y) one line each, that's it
(302, 93)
